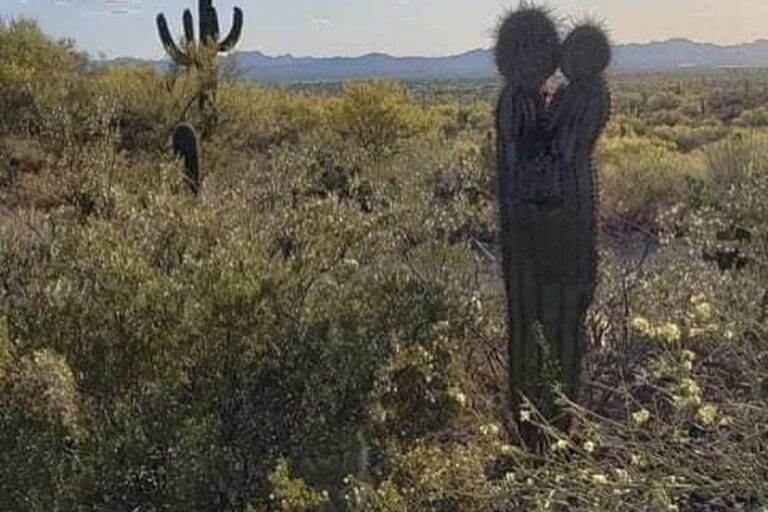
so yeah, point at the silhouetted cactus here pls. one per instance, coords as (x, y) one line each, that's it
(548, 195)
(187, 146)
(201, 54)
(209, 34)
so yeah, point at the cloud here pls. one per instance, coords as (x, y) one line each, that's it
(116, 7)
(319, 22)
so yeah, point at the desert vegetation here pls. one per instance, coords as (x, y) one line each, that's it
(316, 319)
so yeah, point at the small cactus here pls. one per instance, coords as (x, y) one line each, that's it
(547, 196)
(187, 147)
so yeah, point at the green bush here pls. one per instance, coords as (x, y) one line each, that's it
(37, 76)
(641, 176)
(377, 116)
(211, 339)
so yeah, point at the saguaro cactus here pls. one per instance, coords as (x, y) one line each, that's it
(547, 195)
(201, 54)
(187, 147)
(209, 34)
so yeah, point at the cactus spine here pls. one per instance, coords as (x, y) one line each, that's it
(187, 147)
(547, 196)
(201, 54)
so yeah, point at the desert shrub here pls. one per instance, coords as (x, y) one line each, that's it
(733, 160)
(632, 103)
(293, 495)
(641, 176)
(194, 374)
(693, 107)
(38, 75)
(753, 118)
(623, 125)
(689, 138)
(146, 105)
(664, 101)
(40, 429)
(668, 118)
(377, 116)
(259, 118)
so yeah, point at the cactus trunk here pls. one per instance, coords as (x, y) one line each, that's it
(547, 204)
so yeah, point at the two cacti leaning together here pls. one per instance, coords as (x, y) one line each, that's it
(547, 196)
(198, 54)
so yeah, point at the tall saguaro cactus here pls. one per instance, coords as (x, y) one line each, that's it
(201, 54)
(547, 195)
(208, 31)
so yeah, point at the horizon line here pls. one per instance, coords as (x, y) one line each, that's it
(447, 55)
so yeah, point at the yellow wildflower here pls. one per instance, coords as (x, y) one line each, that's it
(670, 332)
(698, 298)
(703, 311)
(641, 417)
(623, 476)
(641, 325)
(458, 396)
(707, 414)
(689, 387)
(688, 355)
(489, 430)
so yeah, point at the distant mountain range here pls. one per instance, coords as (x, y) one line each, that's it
(628, 58)
(684, 53)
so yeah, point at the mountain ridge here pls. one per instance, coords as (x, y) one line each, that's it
(674, 53)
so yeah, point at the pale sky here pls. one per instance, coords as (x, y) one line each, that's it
(398, 27)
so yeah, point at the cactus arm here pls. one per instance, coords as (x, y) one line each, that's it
(581, 111)
(213, 24)
(209, 23)
(234, 34)
(189, 28)
(173, 51)
(202, 10)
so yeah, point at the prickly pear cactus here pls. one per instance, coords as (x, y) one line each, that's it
(187, 147)
(547, 196)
